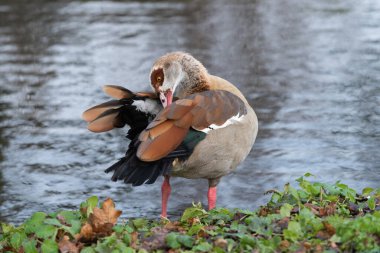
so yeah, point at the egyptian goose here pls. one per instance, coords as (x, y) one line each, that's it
(194, 125)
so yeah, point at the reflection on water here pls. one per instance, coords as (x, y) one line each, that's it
(311, 70)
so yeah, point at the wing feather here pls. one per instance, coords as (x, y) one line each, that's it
(160, 129)
(166, 132)
(117, 92)
(162, 145)
(94, 112)
(104, 122)
(133, 109)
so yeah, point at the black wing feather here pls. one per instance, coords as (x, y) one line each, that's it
(133, 171)
(130, 168)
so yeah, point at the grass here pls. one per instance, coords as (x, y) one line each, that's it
(314, 217)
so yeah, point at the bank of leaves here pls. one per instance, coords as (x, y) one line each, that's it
(314, 217)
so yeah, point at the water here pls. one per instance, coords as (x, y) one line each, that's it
(310, 69)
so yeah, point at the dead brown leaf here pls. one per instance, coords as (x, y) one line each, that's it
(354, 208)
(284, 244)
(62, 220)
(333, 245)
(263, 211)
(174, 226)
(295, 210)
(156, 240)
(307, 245)
(313, 208)
(329, 228)
(327, 210)
(202, 233)
(193, 221)
(86, 232)
(66, 246)
(283, 223)
(318, 248)
(221, 243)
(323, 235)
(239, 216)
(322, 211)
(134, 239)
(100, 222)
(102, 219)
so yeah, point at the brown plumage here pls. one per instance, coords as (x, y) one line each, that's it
(204, 129)
(198, 111)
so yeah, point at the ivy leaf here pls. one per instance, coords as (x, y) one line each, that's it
(192, 212)
(110, 240)
(186, 240)
(293, 232)
(38, 217)
(74, 228)
(128, 250)
(294, 193)
(121, 247)
(54, 222)
(171, 240)
(88, 250)
(231, 244)
(204, 247)
(247, 240)
(285, 210)
(92, 202)
(127, 239)
(32, 224)
(139, 223)
(67, 217)
(275, 197)
(218, 250)
(46, 231)
(366, 191)
(102, 247)
(118, 229)
(306, 214)
(194, 229)
(128, 229)
(371, 203)
(6, 228)
(49, 246)
(315, 189)
(16, 239)
(335, 238)
(331, 189)
(29, 246)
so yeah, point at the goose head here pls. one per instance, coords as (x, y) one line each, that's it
(177, 75)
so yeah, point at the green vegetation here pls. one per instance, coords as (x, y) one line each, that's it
(315, 217)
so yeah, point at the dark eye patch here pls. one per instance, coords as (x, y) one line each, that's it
(154, 76)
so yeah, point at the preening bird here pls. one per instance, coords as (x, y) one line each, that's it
(193, 125)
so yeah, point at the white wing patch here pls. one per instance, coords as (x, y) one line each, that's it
(148, 106)
(233, 120)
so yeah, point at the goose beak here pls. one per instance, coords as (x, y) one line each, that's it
(166, 97)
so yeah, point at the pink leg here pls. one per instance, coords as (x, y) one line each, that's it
(211, 197)
(165, 190)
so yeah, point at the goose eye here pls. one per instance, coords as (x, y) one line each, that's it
(159, 79)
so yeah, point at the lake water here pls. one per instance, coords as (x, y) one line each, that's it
(310, 69)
